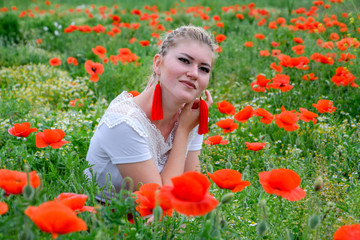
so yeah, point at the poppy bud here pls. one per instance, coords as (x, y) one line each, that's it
(227, 198)
(210, 168)
(228, 165)
(157, 213)
(27, 168)
(99, 235)
(314, 221)
(28, 192)
(262, 205)
(318, 184)
(261, 228)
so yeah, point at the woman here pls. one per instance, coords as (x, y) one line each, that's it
(153, 137)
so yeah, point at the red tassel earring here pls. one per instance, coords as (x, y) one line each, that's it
(156, 109)
(204, 118)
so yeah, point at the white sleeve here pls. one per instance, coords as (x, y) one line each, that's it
(196, 143)
(123, 144)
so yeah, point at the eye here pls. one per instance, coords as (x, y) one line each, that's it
(205, 69)
(184, 60)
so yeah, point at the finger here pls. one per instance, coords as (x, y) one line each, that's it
(209, 99)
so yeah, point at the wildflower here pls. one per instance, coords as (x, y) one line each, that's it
(287, 120)
(55, 218)
(228, 125)
(324, 106)
(264, 53)
(94, 69)
(75, 202)
(343, 77)
(52, 137)
(55, 62)
(334, 36)
(248, 44)
(229, 179)
(281, 81)
(145, 198)
(13, 182)
(298, 49)
(298, 40)
(307, 115)
(21, 129)
(220, 38)
(134, 93)
(260, 84)
(259, 36)
(267, 117)
(226, 107)
(244, 114)
(348, 232)
(4, 208)
(282, 182)
(214, 140)
(72, 60)
(275, 44)
(255, 146)
(39, 41)
(100, 51)
(309, 77)
(189, 194)
(144, 43)
(276, 68)
(73, 103)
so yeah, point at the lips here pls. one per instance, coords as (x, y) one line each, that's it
(188, 84)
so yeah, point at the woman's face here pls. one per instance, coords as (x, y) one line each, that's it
(185, 70)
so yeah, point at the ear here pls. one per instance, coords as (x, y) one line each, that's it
(157, 63)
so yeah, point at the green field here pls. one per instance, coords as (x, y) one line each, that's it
(31, 90)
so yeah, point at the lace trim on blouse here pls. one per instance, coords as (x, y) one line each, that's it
(124, 109)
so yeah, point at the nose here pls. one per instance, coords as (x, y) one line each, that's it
(193, 72)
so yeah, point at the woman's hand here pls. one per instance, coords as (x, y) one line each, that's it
(189, 116)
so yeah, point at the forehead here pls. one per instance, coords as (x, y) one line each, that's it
(197, 50)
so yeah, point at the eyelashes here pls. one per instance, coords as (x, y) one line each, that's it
(186, 61)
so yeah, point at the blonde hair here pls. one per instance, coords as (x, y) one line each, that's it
(184, 32)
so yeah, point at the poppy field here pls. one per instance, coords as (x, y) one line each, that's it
(282, 156)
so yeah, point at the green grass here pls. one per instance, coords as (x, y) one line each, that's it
(31, 90)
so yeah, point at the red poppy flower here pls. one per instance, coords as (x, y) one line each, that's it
(275, 44)
(298, 49)
(298, 40)
(55, 218)
(255, 146)
(244, 114)
(52, 137)
(228, 179)
(287, 120)
(264, 53)
(75, 201)
(39, 41)
(4, 208)
(226, 107)
(267, 117)
(72, 60)
(220, 38)
(144, 43)
(55, 62)
(281, 81)
(228, 125)
(260, 84)
(325, 106)
(13, 182)
(348, 232)
(78, 101)
(100, 51)
(309, 77)
(94, 69)
(307, 115)
(343, 77)
(214, 140)
(134, 93)
(189, 194)
(145, 198)
(282, 182)
(276, 68)
(21, 129)
(259, 36)
(248, 44)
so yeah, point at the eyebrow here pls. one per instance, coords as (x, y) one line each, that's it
(191, 58)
